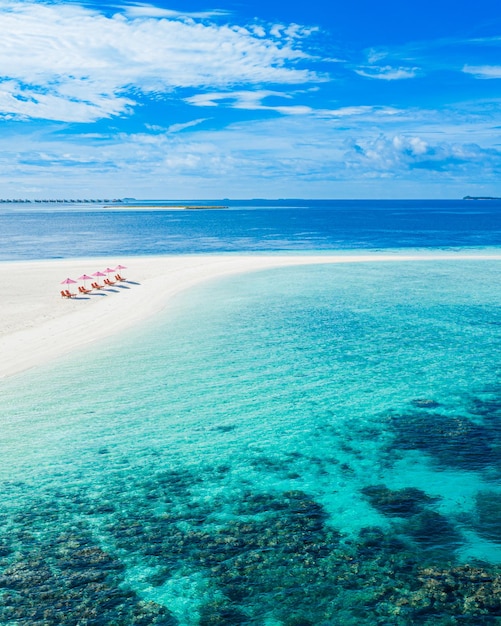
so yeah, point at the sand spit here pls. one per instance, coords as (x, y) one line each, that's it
(37, 324)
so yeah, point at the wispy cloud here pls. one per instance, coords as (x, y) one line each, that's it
(249, 100)
(368, 113)
(287, 154)
(418, 58)
(257, 100)
(387, 72)
(175, 128)
(67, 62)
(483, 71)
(140, 9)
(284, 104)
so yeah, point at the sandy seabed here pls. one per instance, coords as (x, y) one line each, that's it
(37, 324)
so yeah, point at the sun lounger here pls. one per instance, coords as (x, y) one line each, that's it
(67, 294)
(107, 281)
(97, 286)
(84, 290)
(120, 278)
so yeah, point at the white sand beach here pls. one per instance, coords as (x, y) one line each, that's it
(37, 324)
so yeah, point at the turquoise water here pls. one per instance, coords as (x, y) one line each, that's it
(298, 446)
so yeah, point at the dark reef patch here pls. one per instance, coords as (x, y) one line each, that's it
(454, 442)
(487, 522)
(72, 582)
(458, 591)
(425, 403)
(264, 556)
(488, 406)
(400, 503)
(433, 531)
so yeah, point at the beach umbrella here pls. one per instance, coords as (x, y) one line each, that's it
(68, 281)
(85, 277)
(119, 268)
(98, 274)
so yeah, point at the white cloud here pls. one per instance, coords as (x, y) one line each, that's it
(387, 72)
(374, 56)
(402, 153)
(420, 151)
(175, 128)
(414, 146)
(67, 62)
(140, 9)
(360, 111)
(258, 30)
(248, 100)
(256, 100)
(483, 71)
(17, 101)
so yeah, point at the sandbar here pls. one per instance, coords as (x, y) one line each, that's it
(38, 325)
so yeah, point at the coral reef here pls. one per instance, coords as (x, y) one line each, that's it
(487, 521)
(425, 403)
(72, 582)
(277, 558)
(263, 554)
(456, 442)
(401, 503)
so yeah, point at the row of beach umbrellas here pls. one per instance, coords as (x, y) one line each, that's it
(97, 275)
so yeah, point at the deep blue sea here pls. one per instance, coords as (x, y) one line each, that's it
(302, 446)
(36, 231)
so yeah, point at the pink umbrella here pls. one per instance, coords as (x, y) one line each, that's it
(108, 270)
(98, 274)
(118, 268)
(68, 281)
(85, 277)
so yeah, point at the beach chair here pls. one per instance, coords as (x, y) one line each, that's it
(120, 278)
(64, 295)
(107, 281)
(96, 285)
(68, 294)
(83, 289)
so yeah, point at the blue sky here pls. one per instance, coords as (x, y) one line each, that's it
(241, 99)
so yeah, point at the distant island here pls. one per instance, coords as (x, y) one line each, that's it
(175, 207)
(128, 203)
(480, 198)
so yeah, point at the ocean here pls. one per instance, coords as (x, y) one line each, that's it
(302, 446)
(42, 231)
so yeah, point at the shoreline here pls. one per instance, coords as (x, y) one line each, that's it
(38, 325)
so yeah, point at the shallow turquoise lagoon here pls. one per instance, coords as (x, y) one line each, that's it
(316, 445)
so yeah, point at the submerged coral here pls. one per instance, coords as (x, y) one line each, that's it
(279, 558)
(71, 583)
(452, 441)
(264, 556)
(487, 521)
(425, 403)
(458, 591)
(400, 503)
